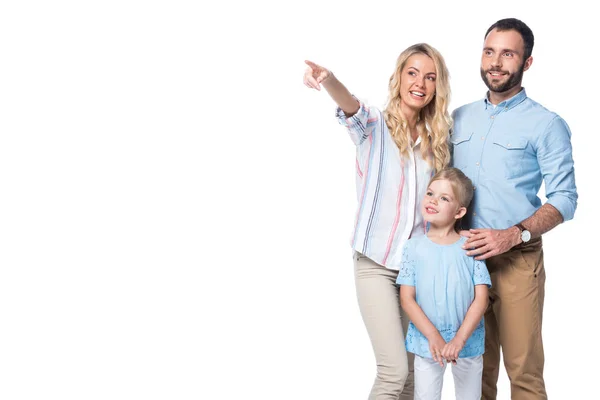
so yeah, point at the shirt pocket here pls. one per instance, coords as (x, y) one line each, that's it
(460, 149)
(507, 157)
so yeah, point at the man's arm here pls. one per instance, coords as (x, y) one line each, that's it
(543, 220)
(490, 242)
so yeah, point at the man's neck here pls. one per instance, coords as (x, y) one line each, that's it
(498, 97)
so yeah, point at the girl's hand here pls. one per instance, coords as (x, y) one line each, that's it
(436, 345)
(453, 348)
(315, 75)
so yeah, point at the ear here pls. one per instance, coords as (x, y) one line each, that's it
(460, 213)
(528, 63)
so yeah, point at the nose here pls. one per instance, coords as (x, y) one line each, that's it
(496, 61)
(420, 81)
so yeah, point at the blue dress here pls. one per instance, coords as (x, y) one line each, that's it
(444, 278)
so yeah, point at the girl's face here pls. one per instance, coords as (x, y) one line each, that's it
(440, 206)
(417, 86)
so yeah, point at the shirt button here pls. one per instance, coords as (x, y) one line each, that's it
(492, 117)
(483, 137)
(508, 145)
(477, 163)
(474, 187)
(474, 214)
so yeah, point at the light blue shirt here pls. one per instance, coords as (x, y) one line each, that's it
(506, 151)
(444, 278)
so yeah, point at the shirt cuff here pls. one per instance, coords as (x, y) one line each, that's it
(566, 206)
(357, 121)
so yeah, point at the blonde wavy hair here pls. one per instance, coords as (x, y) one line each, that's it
(434, 120)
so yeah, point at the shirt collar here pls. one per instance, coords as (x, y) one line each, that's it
(507, 104)
(417, 142)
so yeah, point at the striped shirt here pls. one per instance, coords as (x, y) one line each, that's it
(389, 188)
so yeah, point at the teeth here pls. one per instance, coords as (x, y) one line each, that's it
(418, 94)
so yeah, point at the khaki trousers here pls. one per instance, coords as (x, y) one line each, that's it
(513, 322)
(386, 323)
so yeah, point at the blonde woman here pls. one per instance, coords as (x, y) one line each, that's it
(397, 152)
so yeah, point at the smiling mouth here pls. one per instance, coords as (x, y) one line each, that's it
(430, 210)
(418, 94)
(496, 74)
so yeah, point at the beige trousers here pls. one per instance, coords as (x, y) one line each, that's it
(386, 323)
(513, 323)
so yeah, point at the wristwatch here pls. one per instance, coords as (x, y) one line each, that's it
(525, 234)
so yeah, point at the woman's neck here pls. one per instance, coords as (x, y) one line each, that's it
(412, 117)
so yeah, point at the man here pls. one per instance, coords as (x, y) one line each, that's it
(506, 144)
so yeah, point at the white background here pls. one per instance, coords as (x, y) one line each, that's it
(175, 206)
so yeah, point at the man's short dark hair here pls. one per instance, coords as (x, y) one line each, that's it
(513, 24)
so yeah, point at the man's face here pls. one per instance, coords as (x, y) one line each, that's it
(502, 63)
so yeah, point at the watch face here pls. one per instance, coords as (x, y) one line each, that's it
(525, 236)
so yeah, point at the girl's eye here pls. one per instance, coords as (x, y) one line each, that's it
(412, 73)
(431, 78)
(445, 198)
(429, 194)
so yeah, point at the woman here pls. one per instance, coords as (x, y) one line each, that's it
(397, 152)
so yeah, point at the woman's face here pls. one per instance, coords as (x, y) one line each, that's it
(417, 86)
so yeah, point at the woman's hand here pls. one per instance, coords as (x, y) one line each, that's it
(315, 75)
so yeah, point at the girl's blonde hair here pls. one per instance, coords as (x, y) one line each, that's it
(461, 184)
(434, 120)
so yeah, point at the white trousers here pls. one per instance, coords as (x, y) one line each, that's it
(429, 378)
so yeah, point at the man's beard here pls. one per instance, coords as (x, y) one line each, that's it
(513, 80)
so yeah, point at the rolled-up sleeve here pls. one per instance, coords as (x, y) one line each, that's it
(555, 157)
(361, 124)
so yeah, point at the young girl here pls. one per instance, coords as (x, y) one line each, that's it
(445, 293)
(396, 152)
